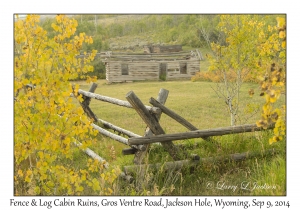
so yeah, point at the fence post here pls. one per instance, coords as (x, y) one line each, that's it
(92, 89)
(152, 123)
(140, 155)
(86, 102)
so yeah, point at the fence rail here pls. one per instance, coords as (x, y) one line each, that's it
(196, 134)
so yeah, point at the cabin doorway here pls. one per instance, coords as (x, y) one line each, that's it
(163, 71)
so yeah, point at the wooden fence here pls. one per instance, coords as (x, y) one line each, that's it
(139, 145)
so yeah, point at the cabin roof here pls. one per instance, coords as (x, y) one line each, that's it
(122, 56)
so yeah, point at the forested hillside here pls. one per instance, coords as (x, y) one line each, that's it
(115, 32)
(130, 32)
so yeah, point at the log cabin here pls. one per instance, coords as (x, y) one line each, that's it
(127, 67)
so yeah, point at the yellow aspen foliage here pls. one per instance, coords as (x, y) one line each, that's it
(46, 121)
(236, 58)
(273, 80)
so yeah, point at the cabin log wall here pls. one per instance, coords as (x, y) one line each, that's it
(147, 66)
(149, 70)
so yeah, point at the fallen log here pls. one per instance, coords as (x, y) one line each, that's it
(177, 165)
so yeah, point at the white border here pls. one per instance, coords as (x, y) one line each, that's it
(8, 8)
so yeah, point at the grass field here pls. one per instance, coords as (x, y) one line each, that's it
(196, 102)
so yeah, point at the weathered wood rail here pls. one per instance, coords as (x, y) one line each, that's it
(196, 134)
(111, 54)
(175, 165)
(154, 133)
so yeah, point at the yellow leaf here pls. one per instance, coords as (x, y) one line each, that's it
(94, 79)
(276, 47)
(110, 190)
(271, 141)
(273, 99)
(41, 154)
(266, 107)
(37, 190)
(20, 173)
(72, 179)
(282, 34)
(280, 22)
(83, 177)
(27, 179)
(55, 27)
(28, 172)
(276, 131)
(59, 18)
(283, 44)
(79, 189)
(102, 175)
